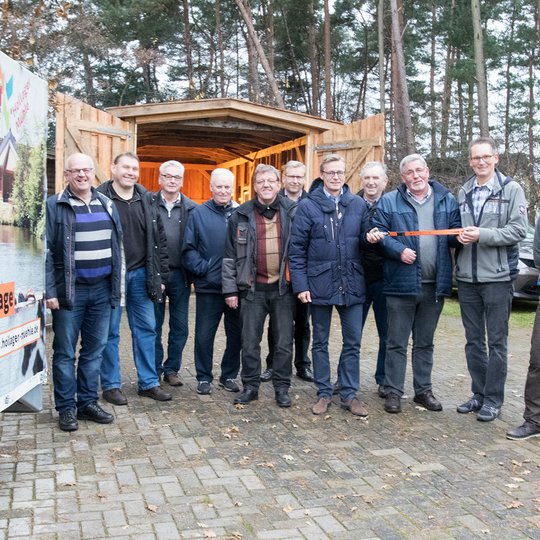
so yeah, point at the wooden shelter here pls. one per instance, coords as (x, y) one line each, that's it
(210, 133)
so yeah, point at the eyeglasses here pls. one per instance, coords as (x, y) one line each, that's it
(85, 171)
(271, 181)
(478, 159)
(412, 172)
(172, 177)
(339, 174)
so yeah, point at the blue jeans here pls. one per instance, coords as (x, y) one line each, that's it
(375, 297)
(142, 323)
(89, 318)
(485, 309)
(349, 359)
(178, 293)
(254, 311)
(210, 308)
(419, 315)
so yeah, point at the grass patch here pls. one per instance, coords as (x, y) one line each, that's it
(522, 315)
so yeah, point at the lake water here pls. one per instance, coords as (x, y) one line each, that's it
(22, 259)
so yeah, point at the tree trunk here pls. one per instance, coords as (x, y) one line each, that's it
(480, 68)
(262, 57)
(189, 50)
(221, 53)
(380, 43)
(327, 63)
(402, 109)
(432, 94)
(88, 80)
(446, 98)
(508, 82)
(314, 63)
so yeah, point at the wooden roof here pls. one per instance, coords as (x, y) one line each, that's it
(213, 131)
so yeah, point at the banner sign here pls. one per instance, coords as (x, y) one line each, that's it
(23, 138)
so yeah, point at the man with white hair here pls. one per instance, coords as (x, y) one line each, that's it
(204, 244)
(174, 208)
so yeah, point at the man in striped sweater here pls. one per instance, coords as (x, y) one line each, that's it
(83, 283)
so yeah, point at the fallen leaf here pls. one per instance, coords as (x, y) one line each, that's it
(431, 517)
(294, 426)
(101, 496)
(68, 484)
(512, 486)
(238, 406)
(287, 457)
(517, 479)
(234, 429)
(202, 525)
(118, 449)
(234, 535)
(287, 508)
(485, 531)
(514, 504)
(238, 503)
(338, 496)
(210, 534)
(307, 450)
(268, 464)
(306, 512)
(354, 508)
(152, 507)
(246, 420)
(483, 454)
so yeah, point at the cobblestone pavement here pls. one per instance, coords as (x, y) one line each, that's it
(197, 467)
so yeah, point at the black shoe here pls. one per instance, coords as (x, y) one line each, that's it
(266, 375)
(336, 388)
(204, 388)
(428, 401)
(115, 396)
(95, 413)
(488, 413)
(247, 395)
(282, 398)
(305, 374)
(381, 392)
(392, 403)
(525, 431)
(472, 405)
(156, 393)
(67, 420)
(172, 379)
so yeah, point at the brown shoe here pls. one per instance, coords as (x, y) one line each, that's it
(115, 396)
(173, 379)
(355, 406)
(322, 405)
(155, 393)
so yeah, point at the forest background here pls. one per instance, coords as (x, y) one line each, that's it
(443, 72)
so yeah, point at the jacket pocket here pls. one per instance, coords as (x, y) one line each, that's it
(320, 280)
(356, 274)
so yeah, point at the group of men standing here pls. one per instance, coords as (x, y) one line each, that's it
(285, 255)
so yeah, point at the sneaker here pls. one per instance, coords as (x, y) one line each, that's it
(525, 431)
(204, 388)
(67, 420)
(472, 405)
(488, 413)
(229, 385)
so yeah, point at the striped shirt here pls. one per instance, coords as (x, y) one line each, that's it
(480, 195)
(93, 240)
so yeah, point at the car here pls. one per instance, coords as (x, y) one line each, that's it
(526, 285)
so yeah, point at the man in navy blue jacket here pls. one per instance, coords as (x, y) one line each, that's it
(417, 276)
(328, 233)
(204, 245)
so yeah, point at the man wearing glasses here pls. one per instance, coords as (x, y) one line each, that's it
(83, 282)
(174, 208)
(329, 232)
(294, 178)
(255, 278)
(417, 277)
(494, 216)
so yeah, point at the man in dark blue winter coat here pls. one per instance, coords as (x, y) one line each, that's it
(417, 276)
(328, 233)
(204, 244)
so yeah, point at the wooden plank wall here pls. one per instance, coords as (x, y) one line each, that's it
(82, 128)
(358, 142)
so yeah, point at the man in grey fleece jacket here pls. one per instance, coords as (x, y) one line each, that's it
(494, 217)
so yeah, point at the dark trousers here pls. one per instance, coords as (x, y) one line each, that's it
(418, 315)
(532, 385)
(280, 309)
(210, 308)
(485, 310)
(302, 337)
